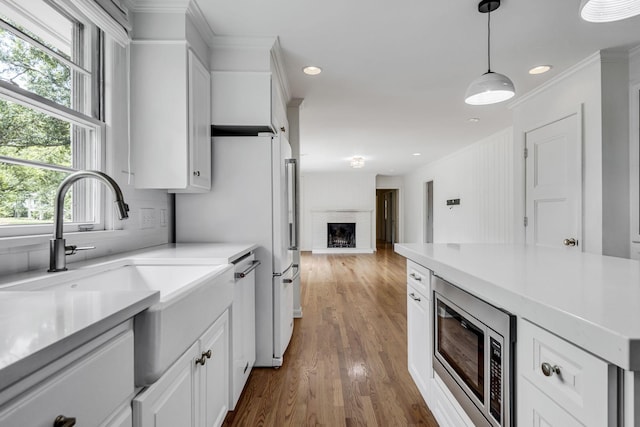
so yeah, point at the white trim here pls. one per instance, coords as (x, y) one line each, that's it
(42, 104)
(188, 7)
(243, 42)
(100, 18)
(595, 57)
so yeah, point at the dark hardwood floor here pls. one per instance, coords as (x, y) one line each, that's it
(346, 364)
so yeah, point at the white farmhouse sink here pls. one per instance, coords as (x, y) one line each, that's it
(192, 297)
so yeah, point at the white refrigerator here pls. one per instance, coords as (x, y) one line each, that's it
(252, 200)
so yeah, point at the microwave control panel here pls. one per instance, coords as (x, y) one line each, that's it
(495, 378)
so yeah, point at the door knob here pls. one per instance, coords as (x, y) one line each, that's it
(570, 242)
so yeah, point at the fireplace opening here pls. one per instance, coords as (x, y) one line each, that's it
(341, 235)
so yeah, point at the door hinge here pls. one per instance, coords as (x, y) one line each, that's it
(526, 153)
(526, 221)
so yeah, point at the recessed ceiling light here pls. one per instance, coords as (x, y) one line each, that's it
(357, 162)
(312, 70)
(417, 154)
(540, 69)
(474, 120)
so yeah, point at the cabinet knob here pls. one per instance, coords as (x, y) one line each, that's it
(548, 370)
(196, 173)
(62, 421)
(570, 242)
(201, 360)
(283, 129)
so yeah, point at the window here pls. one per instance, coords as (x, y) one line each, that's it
(50, 111)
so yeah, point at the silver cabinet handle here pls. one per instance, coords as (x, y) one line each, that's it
(196, 173)
(414, 297)
(548, 370)
(253, 266)
(570, 242)
(415, 277)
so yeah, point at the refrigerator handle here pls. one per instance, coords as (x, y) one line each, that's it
(292, 188)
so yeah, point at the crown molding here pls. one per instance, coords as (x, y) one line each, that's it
(591, 59)
(189, 7)
(241, 42)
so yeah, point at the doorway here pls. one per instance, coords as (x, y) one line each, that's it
(428, 212)
(387, 215)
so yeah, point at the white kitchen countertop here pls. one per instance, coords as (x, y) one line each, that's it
(39, 326)
(590, 300)
(215, 253)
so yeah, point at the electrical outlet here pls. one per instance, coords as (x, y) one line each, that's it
(147, 218)
(163, 217)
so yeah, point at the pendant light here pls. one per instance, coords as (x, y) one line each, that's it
(489, 88)
(608, 10)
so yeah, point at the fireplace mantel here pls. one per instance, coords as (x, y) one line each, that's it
(365, 243)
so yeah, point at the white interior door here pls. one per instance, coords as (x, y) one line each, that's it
(554, 184)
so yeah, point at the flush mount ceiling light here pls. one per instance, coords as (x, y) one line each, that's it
(357, 162)
(489, 88)
(416, 154)
(608, 10)
(540, 69)
(312, 70)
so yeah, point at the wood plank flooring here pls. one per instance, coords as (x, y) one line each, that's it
(346, 364)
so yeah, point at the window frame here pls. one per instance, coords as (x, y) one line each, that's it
(92, 97)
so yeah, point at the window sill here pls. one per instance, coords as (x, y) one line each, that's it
(73, 237)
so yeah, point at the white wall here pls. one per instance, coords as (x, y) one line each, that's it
(597, 90)
(335, 191)
(22, 254)
(481, 176)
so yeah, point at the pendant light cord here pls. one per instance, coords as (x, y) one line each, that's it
(489, 39)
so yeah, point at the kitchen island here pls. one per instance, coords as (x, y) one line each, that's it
(589, 302)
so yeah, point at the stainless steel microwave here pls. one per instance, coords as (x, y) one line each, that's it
(474, 344)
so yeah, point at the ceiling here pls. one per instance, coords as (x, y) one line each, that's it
(395, 72)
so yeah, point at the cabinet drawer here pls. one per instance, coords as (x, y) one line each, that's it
(419, 277)
(584, 385)
(90, 390)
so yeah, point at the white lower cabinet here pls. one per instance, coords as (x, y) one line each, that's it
(560, 384)
(419, 339)
(419, 333)
(93, 386)
(243, 329)
(194, 392)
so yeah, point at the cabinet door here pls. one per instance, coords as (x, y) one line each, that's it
(419, 340)
(90, 390)
(170, 400)
(214, 374)
(199, 124)
(535, 409)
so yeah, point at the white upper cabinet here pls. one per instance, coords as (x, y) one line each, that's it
(248, 90)
(170, 105)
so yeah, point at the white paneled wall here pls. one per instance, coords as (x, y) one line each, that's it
(20, 254)
(481, 176)
(335, 192)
